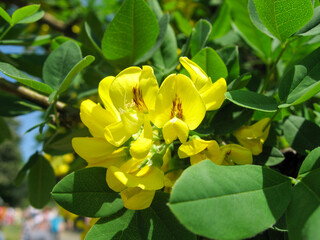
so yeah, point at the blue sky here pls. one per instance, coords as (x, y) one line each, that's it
(28, 144)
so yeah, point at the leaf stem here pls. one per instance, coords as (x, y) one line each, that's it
(273, 67)
(6, 31)
(271, 119)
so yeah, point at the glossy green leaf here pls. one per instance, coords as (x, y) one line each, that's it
(23, 13)
(41, 180)
(21, 77)
(200, 35)
(303, 214)
(301, 134)
(211, 63)
(132, 32)
(311, 162)
(14, 106)
(5, 132)
(230, 57)
(82, 64)
(229, 202)
(5, 15)
(33, 18)
(163, 27)
(242, 23)
(58, 41)
(60, 62)
(270, 156)
(85, 192)
(313, 26)
(256, 19)
(284, 18)
(23, 171)
(301, 82)
(222, 24)
(155, 222)
(252, 100)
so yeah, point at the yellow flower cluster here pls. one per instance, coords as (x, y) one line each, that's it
(134, 130)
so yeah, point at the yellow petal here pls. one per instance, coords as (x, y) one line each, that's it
(236, 154)
(104, 88)
(132, 121)
(259, 127)
(178, 90)
(213, 96)
(116, 134)
(152, 180)
(121, 87)
(95, 117)
(149, 86)
(136, 198)
(98, 152)
(198, 76)
(114, 182)
(175, 128)
(192, 147)
(140, 148)
(197, 158)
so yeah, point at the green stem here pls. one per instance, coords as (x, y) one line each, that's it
(272, 69)
(5, 32)
(271, 119)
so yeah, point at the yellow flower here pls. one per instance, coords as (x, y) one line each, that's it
(178, 108)
(60, 164)
(252, 137)
(211, 93)
(137, 182)
(198, 150)
(132, 93)
(232, 154)
(98, 152)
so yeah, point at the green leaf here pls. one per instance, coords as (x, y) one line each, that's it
(230, 57)
(5, 15)
(240, 82)
(33, 18)
(60, 62)
(163, 26)
(301, 134)
(85, 192)
(270, 156)
(155, 222)
(256, 20)
(14, 106)
(301, 82)
(22, 13)
(34, 41)
(303, 214)
(132, 32)
(311, 162)
(313, 26)
(5, 132)
(182, 23)
(222, 24)
(41, 180)
(14, 73)
(257, 40)
(211, 63)
(23, 171)
(200, 35)
(229, 202)
(252, 100)
(85, 62)
(284, 18)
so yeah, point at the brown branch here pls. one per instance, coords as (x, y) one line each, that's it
(67, 113)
